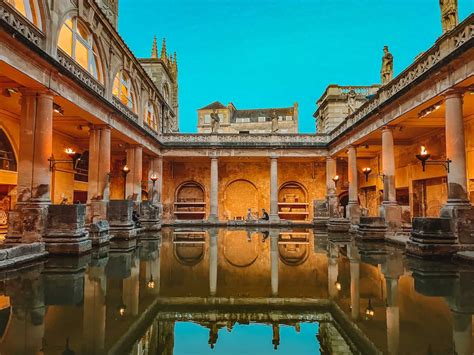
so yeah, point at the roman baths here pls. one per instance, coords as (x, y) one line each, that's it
(120, 234)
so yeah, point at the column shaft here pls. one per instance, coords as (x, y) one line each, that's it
(353, 209)
(331, 196)
(99, 163)
(214, 211)
(456, 148)
(156, 167)
(134, 178)
(274, 189)
(388, 166)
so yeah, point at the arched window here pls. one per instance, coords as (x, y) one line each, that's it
(151, 118)
(123, 90)
(28, 8)
(7, 156)
(78, 42)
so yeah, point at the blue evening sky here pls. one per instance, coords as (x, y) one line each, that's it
(272, 53)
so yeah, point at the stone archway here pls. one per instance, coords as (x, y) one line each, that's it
(239, 196)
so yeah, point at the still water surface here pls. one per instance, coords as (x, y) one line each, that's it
(222, 291)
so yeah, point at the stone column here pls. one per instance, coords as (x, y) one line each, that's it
(353, 208)
(331, 171)
(390, 209)
(34, 174)
(274, 257)
(214, 192)
(94, 317)
(99, 172)
(156, 167)
(456, 149)
(274, 218)
(213, 233)
(134, 178)
(462, 332)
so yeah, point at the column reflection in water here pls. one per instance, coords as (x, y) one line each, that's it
(94, 317)
(213, 233)
(333, 270)
(26, 328)
(131, 289)
(393, 316)
(462, 332)
(274, 236)
(355, 281)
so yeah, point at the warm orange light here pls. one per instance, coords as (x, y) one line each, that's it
(154, 177)
(423, 151)
(69, 151)
(336, 178)
(338, 286)
(125, 169)
(366, 170)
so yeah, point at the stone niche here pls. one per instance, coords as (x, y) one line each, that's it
(66, 231)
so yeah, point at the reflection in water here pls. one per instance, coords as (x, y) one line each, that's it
(224, 291)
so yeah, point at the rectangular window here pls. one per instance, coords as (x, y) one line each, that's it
(289, 118)
(280, 118)
(207, 118)
(242, 120)
(262, 119)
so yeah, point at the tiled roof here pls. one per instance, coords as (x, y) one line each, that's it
(266, 112)
(214, 106)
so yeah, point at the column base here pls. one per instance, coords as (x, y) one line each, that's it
(274, 219)
(27, 223)
(99, 233)
(213, 219)
(392, 213)
(353, 212)
(97, 211)
(371, 228)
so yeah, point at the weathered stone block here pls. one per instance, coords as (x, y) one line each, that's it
(371, 228)
(431, 238)
(120, 219)
(99, 232)
(66, 230)
(321, 212)
(150, 219)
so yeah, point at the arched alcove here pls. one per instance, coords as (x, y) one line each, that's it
(293, 202)
(293, 247)
(239, 196)
(7, 155)
(190, 201)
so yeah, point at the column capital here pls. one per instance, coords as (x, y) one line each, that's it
(387, 128)
(36, 92)
(453, 93)
(134, 146)
(99, 126)
(330, 158)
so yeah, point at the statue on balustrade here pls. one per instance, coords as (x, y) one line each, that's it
(449, 14)
(274, 119)
(387, 66)
(214, 121)
(351, 102)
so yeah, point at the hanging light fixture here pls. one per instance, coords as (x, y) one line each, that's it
(367, 172)
(369, 311)
(424, 158)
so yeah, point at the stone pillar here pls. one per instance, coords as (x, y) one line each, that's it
(99, 172)
(134, 178)
(456, 149)
(274, 257)
(462, 333)
(94, 317)
(213, 233)
(156, 167)
(331, 171)
(274, 218)
(390, 209)
(214, 192)
(392, 315)
(333, 270)
(353, 208)
(28, 221)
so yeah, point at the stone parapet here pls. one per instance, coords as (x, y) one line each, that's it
(66, 231)
(431, 238)
(371, 228)
(14, 255)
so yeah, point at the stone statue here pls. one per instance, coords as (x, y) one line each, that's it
(274, 119)
(351, 102)
(449, 14)
(387, 66)
(106, 192)
(214, 121)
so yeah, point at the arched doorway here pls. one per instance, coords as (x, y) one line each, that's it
(343, 202)
(239, 196)
(8, 179)
(293, 202)
(189, 201)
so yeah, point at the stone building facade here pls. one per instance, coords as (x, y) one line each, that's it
(236, 121)
(83, 121)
